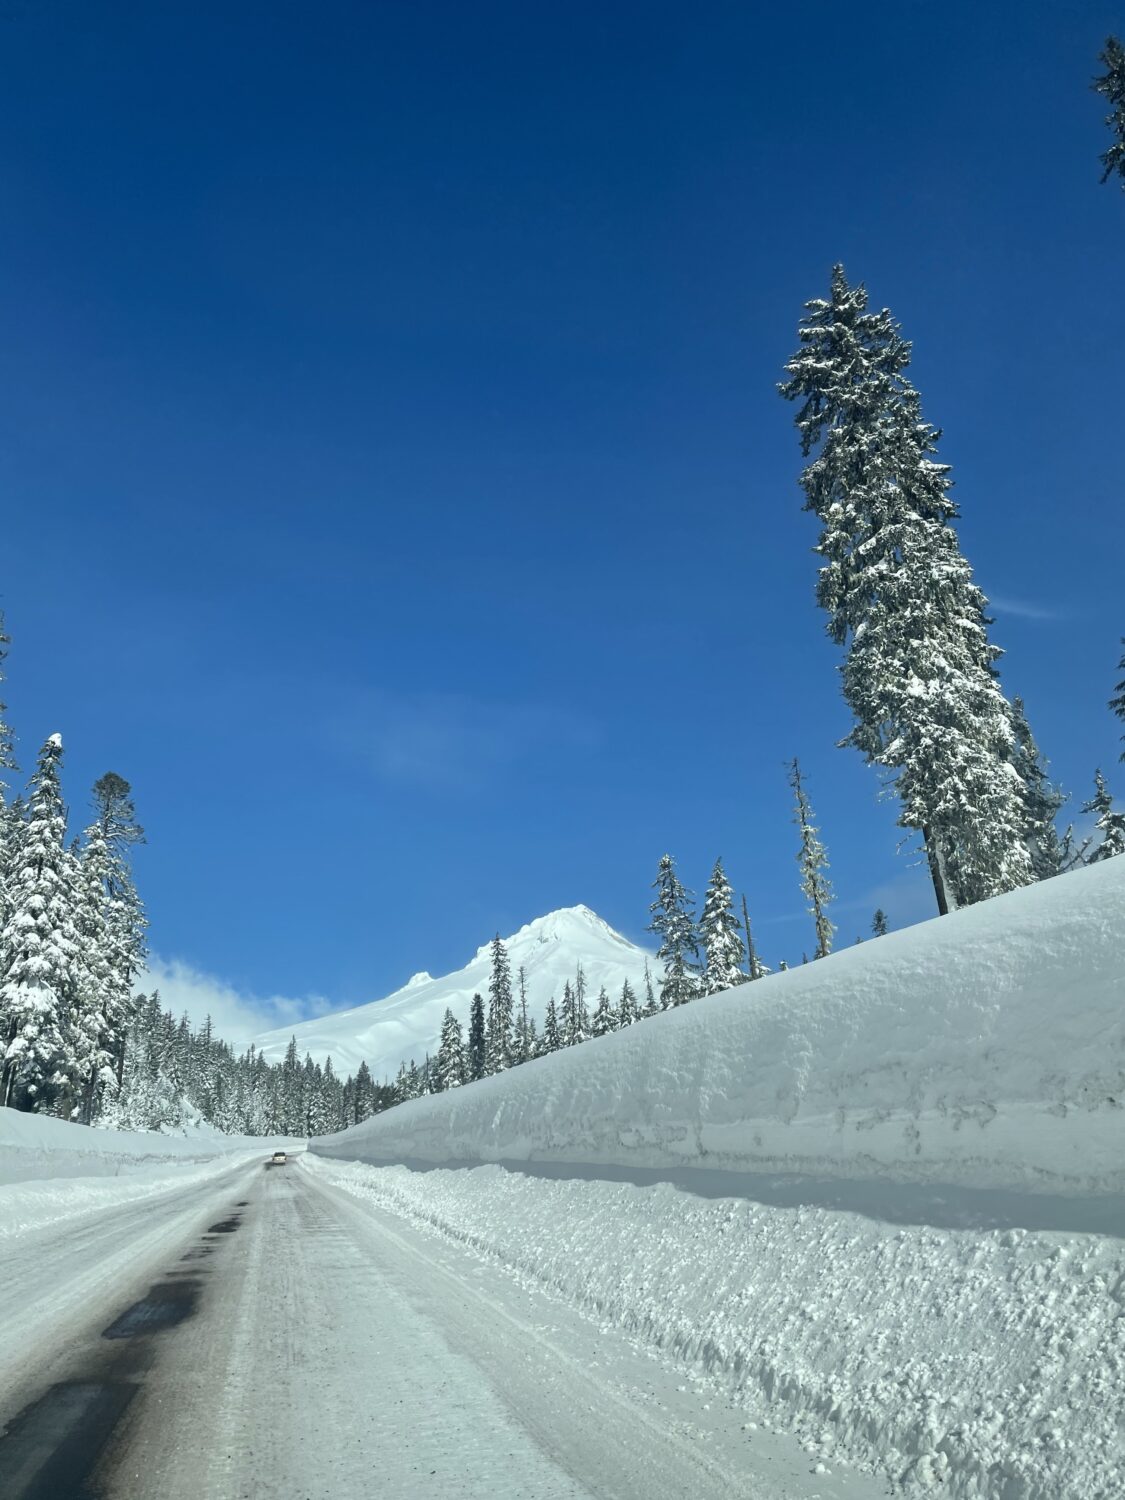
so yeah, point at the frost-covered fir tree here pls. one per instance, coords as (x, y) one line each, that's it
(651, 1006)
(879, 923)
(919, 670)
(572, 1022)
(125, 918)
(498, 1043)
(451, 1063)
(1117, 702)
(102, 996)
(674, 923)
(10, 821)
(719, 929)
(1110, 824)
(476, 1049)
(604, 1020)
(628, 1011)
(364, 1094)
(1042, 801)
(523, 1034)
(551, 1039)
(1112, 87)
(38, 948)
(813, 862)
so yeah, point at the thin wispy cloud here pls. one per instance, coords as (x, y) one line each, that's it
(1022, 609)
(453, 741)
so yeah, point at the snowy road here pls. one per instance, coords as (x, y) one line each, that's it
(268, 1335)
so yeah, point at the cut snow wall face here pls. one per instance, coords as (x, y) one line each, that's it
(986, 1048)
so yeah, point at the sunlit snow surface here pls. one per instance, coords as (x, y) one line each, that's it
(878, 1197)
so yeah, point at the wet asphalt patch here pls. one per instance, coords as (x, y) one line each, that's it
(163, 1307)
(72, 1422)
(53, 1448)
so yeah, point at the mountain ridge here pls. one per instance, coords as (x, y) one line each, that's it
(406, 1023)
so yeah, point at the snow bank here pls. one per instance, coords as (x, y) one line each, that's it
(985, 1049)
(955, 1362)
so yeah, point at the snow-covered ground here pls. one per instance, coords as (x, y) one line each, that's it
(877, 1199)
(407, 1023)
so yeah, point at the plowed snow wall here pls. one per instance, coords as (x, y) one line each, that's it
(985, 1048)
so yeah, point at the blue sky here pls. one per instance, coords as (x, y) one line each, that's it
(396, 490)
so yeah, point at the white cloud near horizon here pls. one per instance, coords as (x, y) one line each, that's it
(236, 1015)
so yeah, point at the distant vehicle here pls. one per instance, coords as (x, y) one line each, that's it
(278, 1159)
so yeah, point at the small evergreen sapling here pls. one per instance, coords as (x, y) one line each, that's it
(604, 1019)
(1110, 824)
(1117, 702)
(813, 861)
(879, 923)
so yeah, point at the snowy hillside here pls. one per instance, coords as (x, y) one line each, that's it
(407, 1023)
(876, 1201)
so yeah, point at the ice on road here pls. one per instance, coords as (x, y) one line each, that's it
(271, 1335)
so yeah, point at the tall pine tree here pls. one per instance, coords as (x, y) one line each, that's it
(451, 1063)
(1042, 801)
(674, 923)
(39, 947)
(719, 935)
(498, 1046)
(476, 1057)
(919, 670)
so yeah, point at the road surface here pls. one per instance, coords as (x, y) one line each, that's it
(267, 1335)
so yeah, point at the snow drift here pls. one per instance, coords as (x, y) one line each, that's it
(986, 1048)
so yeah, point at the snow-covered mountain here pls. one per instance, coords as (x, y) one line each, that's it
(407, 1023)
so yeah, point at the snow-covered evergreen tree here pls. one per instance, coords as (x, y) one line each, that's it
(604, 1020)
(523, 1036)
(1042, 801)
(38, 948)
(651, 1006)
(498, 1044)
(719, 935)
(879, 922)
(102, 996)
(628, 1011)
(919, 670)
(364, 1095)
(451, 1061)
(1110, 824)
(813, 862)
(476, 1050)
(1112, 87)
(674, 923)
(125, 916)
(551, 1039)
(572, 1021)
(1117, 702)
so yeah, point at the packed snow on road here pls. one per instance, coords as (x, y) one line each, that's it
(853, 1230)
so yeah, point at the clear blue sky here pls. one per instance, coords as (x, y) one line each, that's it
(395, 487)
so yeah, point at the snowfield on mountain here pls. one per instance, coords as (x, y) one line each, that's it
(406, 1025)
